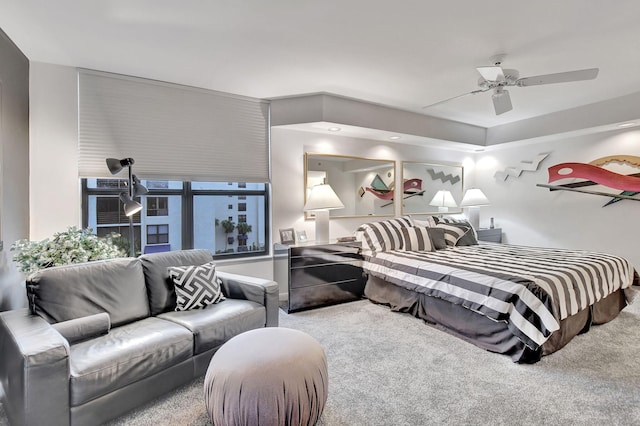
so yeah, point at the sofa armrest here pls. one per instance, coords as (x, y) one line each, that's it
(34, 371)
(264, 292)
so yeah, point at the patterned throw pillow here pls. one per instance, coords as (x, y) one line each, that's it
(416, 238)
(458, 234)
(382, 236)
(449, 219)
(196, 286)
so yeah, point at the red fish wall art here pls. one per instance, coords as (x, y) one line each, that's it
(595, 174)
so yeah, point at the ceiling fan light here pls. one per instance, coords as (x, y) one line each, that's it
(501, 101)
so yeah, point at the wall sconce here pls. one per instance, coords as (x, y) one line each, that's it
(443, 200)
(134, 189)
(322, 199)
(473, 199)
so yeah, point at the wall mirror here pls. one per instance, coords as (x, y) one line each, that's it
(422, 183)
(364, 185)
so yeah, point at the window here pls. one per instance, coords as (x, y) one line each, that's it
(196, 213)
(157, 234)
(109, 211)
(157, 206)
(157, 184)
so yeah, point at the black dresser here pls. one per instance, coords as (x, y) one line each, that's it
(319, 274)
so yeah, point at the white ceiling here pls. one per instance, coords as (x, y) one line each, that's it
(404, 53)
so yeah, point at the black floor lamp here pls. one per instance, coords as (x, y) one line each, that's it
(135, 189)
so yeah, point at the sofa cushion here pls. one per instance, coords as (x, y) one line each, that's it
(216, 324)
(125, 355)
(196, 286)
(114, 286)
(162, 296)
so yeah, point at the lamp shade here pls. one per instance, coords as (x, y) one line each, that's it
(474, 197)
(322, 197)
(115, 165)
(131, 206)
(443, 198)
(138, 188)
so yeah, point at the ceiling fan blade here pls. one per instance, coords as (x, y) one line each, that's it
(491, 73)
(501, 101)
(561, 77)
(456, 97)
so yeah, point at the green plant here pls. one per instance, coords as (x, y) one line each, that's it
(228, 226)
(71, 246)
(243, 228)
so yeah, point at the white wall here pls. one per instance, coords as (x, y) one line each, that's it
(530, 215)
(287, 156)
(527, 214)
(14, 168)
(54, 194)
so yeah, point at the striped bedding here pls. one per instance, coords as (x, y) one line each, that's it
(531, 289)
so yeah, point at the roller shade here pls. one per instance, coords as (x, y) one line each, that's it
(171, 131)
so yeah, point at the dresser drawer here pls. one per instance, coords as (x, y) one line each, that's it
(323, 295)
(316, 255)
(325, 274)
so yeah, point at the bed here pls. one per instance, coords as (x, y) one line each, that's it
(524, 302)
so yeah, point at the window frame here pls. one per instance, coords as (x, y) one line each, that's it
(187, 194)
(158, 209)
(157, 234)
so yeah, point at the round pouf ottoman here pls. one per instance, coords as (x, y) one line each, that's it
(268, 376)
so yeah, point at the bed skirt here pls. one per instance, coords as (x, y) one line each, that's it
(483, 332)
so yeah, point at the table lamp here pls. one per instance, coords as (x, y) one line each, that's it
(473, 199)
(322, 199)
(443, 200)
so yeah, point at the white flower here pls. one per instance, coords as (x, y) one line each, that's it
(70, 246)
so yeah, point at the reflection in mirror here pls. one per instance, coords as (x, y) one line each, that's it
(365, 186)
(422, 181)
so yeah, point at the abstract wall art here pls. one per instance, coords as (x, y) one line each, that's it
(610, 172)
(524, 166)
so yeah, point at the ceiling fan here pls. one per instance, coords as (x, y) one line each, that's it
(497, 79)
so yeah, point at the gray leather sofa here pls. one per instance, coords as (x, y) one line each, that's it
(148, 350)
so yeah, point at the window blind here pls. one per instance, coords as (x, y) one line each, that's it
(171, 131)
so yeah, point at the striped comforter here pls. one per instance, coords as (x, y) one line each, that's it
(531, 289)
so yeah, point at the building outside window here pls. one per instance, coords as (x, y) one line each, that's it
(157, 234)
(157, 206)
(192, 211)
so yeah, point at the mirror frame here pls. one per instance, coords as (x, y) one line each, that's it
(310, 215)
(429, 190)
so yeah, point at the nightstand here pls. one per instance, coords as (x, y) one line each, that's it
(490, 235)
(319, 274)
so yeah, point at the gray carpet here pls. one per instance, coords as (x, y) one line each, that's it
(387, 368)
